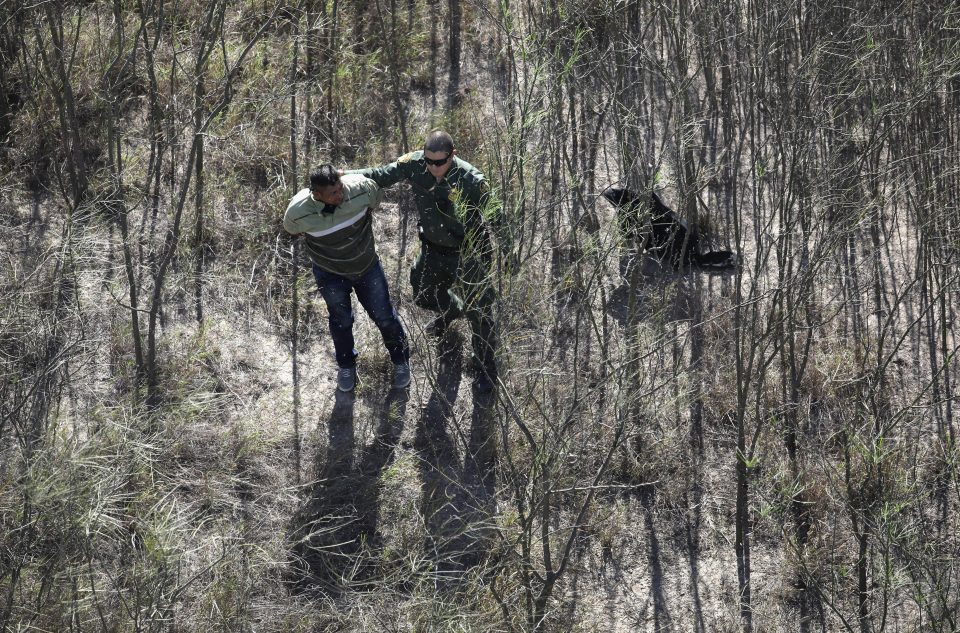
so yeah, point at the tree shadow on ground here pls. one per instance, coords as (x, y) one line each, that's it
(649, 612)
(693, 493)
(664, 294)
(334, 534)
(458, 495)
(662, 620)
(655, 279)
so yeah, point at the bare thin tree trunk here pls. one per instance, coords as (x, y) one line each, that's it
(209, 36)
(393, 71)
(9, 46)
(295, 246)
(199, 237)
(434, 19)
(63, 95)
(120, 211)
(453, 77)
(333, 47)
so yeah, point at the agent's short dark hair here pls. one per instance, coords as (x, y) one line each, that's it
(324, 176)
(438, 141)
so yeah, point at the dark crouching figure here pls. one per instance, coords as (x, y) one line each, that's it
(646, 219)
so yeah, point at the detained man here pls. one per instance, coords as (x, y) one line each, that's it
(334, 216)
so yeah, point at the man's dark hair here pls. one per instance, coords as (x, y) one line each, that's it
(438, 141)
(324, 176)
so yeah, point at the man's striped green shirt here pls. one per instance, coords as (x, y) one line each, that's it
(339, 239)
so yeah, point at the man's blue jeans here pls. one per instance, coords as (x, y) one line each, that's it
(372, 292)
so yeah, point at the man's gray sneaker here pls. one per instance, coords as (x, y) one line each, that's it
(346, 378)
(401, 375)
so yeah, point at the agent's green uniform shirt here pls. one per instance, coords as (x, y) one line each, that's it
(452, 211)
(339, 239)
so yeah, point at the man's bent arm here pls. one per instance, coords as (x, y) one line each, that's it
(290, 225)
(389, 174)
(372, 188)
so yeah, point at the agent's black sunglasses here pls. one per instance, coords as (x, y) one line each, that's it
(437, 162)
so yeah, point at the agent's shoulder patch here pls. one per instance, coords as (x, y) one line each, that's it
(406, 158)
(475, 183)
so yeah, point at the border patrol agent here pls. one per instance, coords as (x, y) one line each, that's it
(451, 274)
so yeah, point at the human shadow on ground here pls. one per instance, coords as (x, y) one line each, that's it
(334, 535)
(457, 501)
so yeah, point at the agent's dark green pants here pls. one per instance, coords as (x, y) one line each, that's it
(455, 285)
